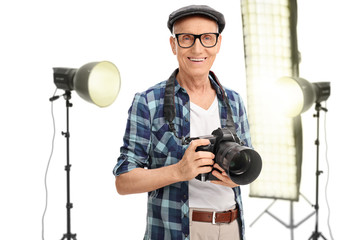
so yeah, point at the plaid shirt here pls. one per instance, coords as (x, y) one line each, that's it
(149, 143)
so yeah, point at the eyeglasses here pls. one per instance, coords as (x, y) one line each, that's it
(187, 40)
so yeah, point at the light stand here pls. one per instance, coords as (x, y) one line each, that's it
(96, 82)
(316, 234)
(68, 235)
(291, 225)
(301, 95)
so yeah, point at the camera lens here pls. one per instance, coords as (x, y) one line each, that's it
(242, 164)
(234, 157)
(239, 162)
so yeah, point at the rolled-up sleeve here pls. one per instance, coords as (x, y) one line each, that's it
(136, 143)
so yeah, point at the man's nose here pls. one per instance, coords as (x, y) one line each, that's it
(198, 47)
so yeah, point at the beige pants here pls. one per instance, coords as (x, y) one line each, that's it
(209, 231)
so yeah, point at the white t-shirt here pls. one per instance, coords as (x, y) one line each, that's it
(206, 194)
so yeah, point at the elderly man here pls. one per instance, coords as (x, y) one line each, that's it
(155, 157)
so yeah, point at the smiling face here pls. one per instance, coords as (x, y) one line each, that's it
(196, 61)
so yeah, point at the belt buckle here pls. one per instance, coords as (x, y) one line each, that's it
(213, 218)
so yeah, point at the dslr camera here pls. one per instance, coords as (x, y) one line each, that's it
(241, 163)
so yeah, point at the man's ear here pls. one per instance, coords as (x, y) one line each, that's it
(173, 45)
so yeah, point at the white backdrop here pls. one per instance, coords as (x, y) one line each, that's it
(38, 35)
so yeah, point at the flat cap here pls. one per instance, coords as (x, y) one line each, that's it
(196, 10)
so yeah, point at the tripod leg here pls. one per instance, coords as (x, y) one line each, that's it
(69, 236)
(322, 236)
(316, 235)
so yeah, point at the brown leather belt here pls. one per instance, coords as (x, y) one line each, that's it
(215, 217)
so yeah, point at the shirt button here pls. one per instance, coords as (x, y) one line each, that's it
(185, 196)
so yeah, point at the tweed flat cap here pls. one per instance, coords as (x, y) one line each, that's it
(196, 10)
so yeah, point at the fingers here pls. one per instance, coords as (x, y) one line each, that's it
(205, 169)
(221, 175)
(217, 166)
(204, 162)
(201, 154)
(198, 142)
(193, 163)
(223, 178)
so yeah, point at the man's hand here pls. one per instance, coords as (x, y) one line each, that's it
(224, 179)
(194, 163)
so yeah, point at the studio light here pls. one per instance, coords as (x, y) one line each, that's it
(296, 95)
(270, 53)
(96, 82)
(300, 95)
(276, 102)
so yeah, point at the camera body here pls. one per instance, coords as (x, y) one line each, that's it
(241, 163)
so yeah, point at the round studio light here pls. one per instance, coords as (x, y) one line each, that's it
(297, 95)
(96, 82)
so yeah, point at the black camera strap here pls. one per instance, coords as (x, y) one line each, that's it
(169, 105)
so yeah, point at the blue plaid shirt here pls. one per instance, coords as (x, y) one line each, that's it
(149, 143)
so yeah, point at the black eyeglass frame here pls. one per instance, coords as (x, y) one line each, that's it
(197, 36)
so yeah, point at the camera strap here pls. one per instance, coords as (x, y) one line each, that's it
(170, 109)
